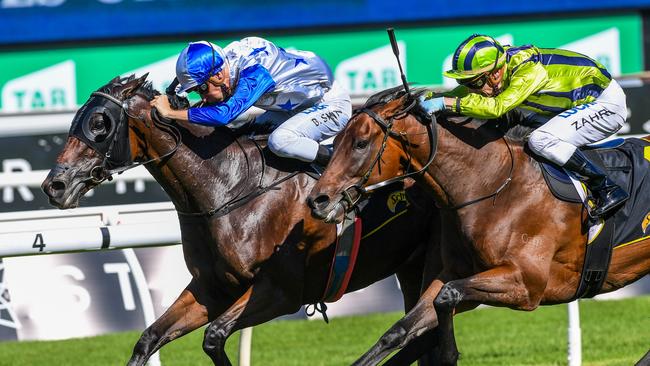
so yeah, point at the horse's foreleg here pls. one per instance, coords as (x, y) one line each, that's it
(416, 322)
(414, 277)
(505, 285)
(183, 316)
(262, 302)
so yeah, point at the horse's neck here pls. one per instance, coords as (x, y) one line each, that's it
(205, 171)
(470, 164)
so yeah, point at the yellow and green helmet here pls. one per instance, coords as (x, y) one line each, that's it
(476, 55)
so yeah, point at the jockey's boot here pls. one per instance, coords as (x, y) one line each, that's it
(607, 194)
(323, 155)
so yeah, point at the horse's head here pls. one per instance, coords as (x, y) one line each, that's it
(105, 137)
(376, 145)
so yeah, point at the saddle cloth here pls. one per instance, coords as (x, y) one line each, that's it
(627, 162)
(383, 207)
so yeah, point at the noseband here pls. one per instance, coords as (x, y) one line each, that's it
(387, 126)
(117, 139)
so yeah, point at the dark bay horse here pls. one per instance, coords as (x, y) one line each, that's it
(506, 241)
(250, 261)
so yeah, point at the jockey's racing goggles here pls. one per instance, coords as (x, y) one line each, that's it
(476, 82)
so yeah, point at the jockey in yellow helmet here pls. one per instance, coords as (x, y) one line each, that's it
(570, 98)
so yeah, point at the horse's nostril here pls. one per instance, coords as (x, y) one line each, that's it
(320, 201)
(57, 186)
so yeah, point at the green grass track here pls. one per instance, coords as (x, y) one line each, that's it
(613, 333)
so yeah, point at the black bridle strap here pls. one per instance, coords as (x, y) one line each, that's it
(433, 134)
(387, 126)
(433, 137)
(166, 126)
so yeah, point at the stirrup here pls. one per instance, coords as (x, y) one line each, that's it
(601, 210)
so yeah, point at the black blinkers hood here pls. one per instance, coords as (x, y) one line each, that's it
(113, 144)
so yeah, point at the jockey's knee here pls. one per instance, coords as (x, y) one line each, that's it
(550, 147)
(538, 141)
(280, 140)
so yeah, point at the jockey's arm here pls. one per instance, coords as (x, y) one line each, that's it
(253, 82)
(526, 80)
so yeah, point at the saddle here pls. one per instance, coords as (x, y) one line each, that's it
(627, 162)
(562, 186)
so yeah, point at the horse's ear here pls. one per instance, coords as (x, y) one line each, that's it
(132, 85)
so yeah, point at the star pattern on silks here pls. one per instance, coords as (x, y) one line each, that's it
(259, 50)
(299, 61)
(288, 106)
(7, 316)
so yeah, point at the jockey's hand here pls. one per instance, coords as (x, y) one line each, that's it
(178, 102)
(431, 105)
(161, 103)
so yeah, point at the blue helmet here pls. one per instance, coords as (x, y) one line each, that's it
(197, 63)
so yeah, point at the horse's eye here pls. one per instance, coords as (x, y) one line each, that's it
(361, 144)
(97, 125)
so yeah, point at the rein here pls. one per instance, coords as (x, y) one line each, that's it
(101, 172)
(238, 201)
(433, 138)
(387, 127)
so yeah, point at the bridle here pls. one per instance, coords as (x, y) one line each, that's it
(387, 126)
(432, 131)
(115, 149)
(118, 138)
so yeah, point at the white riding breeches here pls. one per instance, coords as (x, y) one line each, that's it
(299, 135)
(558, 138)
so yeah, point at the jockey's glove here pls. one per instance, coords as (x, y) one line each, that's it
(177, 102)
(431, 105)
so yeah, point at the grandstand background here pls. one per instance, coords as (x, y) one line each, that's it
(54, 53)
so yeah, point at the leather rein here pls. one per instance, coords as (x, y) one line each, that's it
(387, 126)
(101, 172)
(432, 131)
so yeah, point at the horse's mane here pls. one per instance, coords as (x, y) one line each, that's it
(115, 87)
(391, 94)
(519, 133)
(509, 124)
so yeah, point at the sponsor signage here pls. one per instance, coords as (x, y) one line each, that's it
(69, 20)
(86, 294)
(51, 80)
(25, 154)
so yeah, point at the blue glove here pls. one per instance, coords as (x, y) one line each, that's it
(432, 105)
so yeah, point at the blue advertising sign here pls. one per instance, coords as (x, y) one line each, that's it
(28, 21)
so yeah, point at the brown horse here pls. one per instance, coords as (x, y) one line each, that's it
(506, 241)
(249, 241)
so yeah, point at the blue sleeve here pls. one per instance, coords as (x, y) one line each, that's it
(253, 82)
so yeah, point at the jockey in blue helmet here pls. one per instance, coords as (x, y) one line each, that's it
(293, 87)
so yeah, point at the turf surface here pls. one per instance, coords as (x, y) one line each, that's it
(613, 333)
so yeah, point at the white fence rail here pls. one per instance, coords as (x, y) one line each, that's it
(100, 228)
(96, 228)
